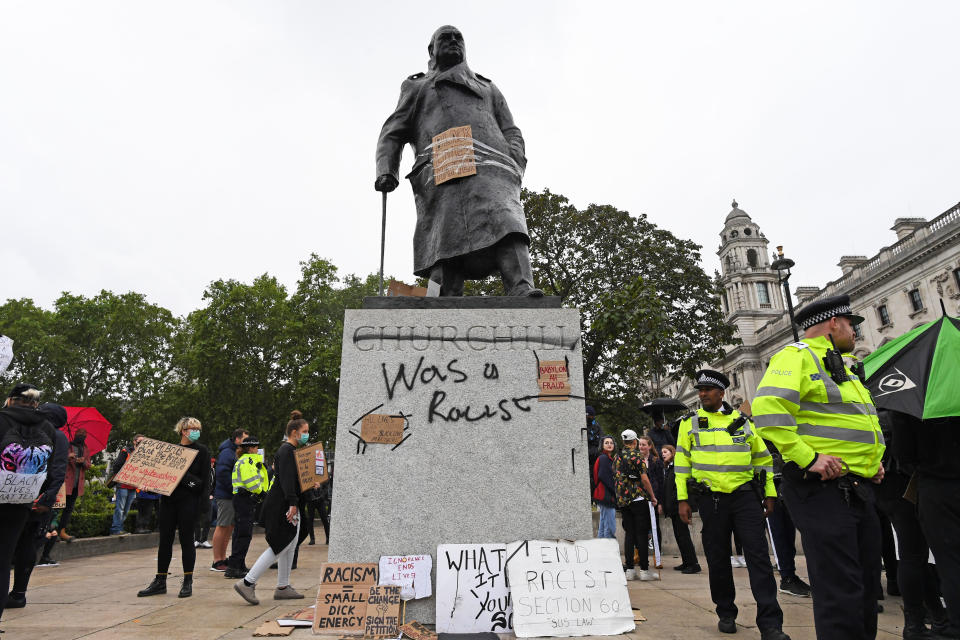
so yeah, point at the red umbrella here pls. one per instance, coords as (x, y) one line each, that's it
(98, 429)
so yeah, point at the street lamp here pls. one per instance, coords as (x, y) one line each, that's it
(782, 264)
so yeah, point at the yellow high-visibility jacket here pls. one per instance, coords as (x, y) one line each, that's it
(801, 410)
(250, 473)
(709, 453)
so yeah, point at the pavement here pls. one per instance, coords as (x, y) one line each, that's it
(96, 598)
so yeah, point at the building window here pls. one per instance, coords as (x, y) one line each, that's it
(747, 231)
(857, 332)
(763, 295)
(956, 277)
(884, 315)
(915, 300)
(736, 382)
(751, 257)
(726, 305)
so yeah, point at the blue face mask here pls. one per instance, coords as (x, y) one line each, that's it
(304, 437)
(193, 435)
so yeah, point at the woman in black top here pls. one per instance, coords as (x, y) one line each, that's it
(281, 517)
(179, 510)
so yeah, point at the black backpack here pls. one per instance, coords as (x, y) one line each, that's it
(26, 451)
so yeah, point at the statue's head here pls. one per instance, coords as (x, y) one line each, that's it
(446, 48)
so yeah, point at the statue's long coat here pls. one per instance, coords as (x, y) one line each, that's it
(463, 215)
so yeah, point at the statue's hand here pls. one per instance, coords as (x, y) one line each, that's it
(385, 183)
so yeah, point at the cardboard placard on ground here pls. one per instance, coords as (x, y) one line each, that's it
(412, 572)
(562, 588)
(553, 380)
(342, 598)
(453, 154)
(270, 628)
(379, 428)
(61, 502)
(383, 612)
(311, 465)
(416, 631)
(472, 592)
(156, 466)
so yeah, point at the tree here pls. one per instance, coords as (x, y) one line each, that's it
(648, 308)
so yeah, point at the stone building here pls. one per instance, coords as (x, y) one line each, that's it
(897, 289)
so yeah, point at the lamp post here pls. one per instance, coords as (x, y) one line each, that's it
(782, 264)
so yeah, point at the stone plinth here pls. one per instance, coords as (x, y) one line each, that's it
(484, 460)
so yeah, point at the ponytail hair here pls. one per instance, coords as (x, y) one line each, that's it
(295, 424)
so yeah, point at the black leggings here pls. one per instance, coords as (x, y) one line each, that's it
(177, 514)
(13, 517)
(636, 526)
(25, 556)
(319, 508)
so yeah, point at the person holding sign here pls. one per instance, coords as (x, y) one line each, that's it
(281, 517)
(179, 510)
(724, 465)
(27, 442)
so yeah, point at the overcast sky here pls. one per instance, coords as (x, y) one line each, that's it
(156, 147)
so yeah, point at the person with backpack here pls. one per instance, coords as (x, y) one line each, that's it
(28, 444)
(125, 494)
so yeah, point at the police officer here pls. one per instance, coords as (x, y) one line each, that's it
(822, 419)
(728, 470)
(250, 484)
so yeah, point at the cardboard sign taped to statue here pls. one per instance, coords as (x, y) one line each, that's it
(311, 465)
(410, 573)
(156, 466)
(563, 588)
(472, 592)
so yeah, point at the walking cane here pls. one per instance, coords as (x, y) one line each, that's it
(383, 239)
(658, 563)
(773, 545)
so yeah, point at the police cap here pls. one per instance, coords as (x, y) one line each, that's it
(710, 379)
(250, 441)
(822, 310)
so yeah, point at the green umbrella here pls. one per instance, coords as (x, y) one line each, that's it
(918, 372)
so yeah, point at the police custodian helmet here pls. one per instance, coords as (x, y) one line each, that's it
(822, 310)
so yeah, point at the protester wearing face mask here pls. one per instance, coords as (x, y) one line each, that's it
(605, 492)
(78, 461)
(179, 510)
(281, 517)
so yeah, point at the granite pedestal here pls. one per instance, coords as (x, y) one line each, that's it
(484, 459)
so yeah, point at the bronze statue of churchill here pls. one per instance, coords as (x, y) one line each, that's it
(471, 226)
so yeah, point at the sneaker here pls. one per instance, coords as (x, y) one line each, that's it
(219, 566)
(727, 625)
(795, 587)
(773, 634)
(680, 567)
(48, 562)
(630, 574)
(206, 545)
(287, 593)
(693, 568)
(120, 533)
(646, 575)
(247, 591)
(196, 544)
(233, 573)
(738, 562)
(650, 544)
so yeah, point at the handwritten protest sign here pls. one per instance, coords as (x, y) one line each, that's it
(417, 631)
(20, 488)
(383, 612)
(61, 502)
(410, 572)
(378, 428)
(342, 598)
(397, 288)
(6, 352)
(472, 592)
(453, 154)
(565, 588)
(311, 465)
(156, 466)
(553, 380)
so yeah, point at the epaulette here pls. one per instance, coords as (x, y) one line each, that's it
(416, 76)
(484, 78)
(799, 345)
(692, 414)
